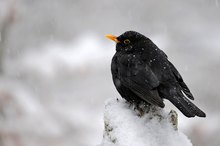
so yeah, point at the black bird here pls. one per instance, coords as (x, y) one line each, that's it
(141, 72)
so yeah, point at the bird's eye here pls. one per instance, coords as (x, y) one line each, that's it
(127, 41)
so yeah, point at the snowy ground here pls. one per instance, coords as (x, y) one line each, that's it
(55, 96)
(123, 126)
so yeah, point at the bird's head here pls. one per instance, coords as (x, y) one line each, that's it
(129, 41)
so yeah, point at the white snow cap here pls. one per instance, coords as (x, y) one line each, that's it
(123, 127)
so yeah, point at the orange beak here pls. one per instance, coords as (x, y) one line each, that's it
(111, 37)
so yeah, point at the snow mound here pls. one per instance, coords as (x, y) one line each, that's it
(125, 127)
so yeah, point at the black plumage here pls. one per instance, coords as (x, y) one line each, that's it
(141, 72)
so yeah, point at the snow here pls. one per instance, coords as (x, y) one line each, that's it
(123, 127)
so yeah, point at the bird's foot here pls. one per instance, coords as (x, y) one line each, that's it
(141, 109)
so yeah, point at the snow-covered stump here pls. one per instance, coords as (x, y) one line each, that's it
(127, 126)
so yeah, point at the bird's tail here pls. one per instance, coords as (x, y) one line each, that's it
(186, 106)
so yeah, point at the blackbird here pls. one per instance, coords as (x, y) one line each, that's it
(141, 72)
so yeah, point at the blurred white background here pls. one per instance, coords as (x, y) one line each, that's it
(55, 65)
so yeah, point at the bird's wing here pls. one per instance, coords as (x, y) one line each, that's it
(178, 77)
(143, 82)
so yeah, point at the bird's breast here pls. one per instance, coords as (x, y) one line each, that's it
(128, 60)
(128, 65)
